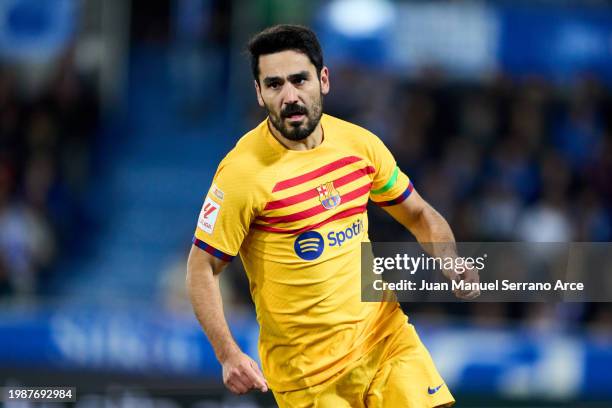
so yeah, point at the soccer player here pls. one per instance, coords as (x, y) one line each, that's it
(283, 198)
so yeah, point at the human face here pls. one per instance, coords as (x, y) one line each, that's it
(291, 91)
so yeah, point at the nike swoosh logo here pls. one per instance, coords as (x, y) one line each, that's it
(432, 391)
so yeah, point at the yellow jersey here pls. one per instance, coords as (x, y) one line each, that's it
(297, 219)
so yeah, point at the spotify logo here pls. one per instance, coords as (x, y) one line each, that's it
(309, 245)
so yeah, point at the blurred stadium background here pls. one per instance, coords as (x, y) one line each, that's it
(114, 114)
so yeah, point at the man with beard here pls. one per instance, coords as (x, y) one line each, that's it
(291, 199)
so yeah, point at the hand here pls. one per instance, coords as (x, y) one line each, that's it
(471, 276)
(241, 374)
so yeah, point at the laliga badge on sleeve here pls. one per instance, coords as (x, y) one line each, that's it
(208, 215)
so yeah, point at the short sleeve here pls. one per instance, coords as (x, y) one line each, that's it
(390, 185)
(226, 215)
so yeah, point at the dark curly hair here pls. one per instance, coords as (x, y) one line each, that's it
(285, 37)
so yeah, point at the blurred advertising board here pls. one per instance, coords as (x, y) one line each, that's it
(511, 362)
(470, 40)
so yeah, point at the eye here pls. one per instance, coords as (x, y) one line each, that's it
(299, 81)
(274, 85)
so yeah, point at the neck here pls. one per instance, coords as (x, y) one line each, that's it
(308, 143)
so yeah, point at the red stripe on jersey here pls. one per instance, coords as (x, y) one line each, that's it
(318, 209)
(307, 195)
(285, 184)
(338, 216)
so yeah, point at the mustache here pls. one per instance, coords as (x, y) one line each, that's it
(293, 110)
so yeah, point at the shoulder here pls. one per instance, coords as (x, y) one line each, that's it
(344, 128)
(350, 134)
(245, 158)
(247, 167)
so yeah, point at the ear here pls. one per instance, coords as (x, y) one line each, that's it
(258, 92)
(324, 81)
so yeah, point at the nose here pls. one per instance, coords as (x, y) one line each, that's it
(291, 95)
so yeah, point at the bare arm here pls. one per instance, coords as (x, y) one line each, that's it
(433, 233)
(240, 372)
(203, 272)
(426, 224)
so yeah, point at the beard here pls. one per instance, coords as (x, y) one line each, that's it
(301, 129)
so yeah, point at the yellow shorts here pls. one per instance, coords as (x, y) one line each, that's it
(397, 372)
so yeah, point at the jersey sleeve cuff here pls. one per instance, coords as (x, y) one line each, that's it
(212, 250)
(398, 199)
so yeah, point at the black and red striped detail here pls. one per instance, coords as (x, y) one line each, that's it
(212, 250)
(397, 200)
